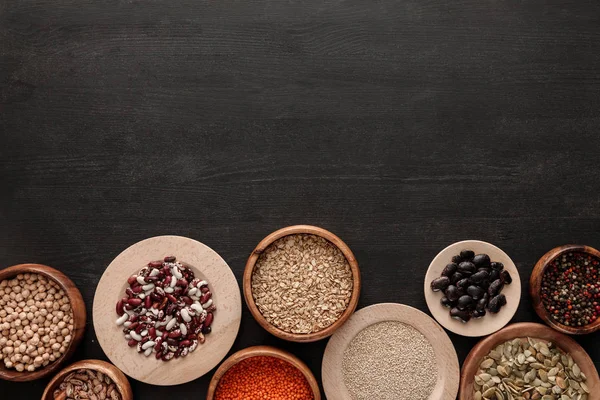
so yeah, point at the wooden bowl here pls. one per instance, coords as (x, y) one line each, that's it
(536, 331)
(79, 319)
(268, 351)
(535, 288)
(262, 246)
(107, 369)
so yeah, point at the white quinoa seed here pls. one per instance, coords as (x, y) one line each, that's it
(389, 361)
(302, 283)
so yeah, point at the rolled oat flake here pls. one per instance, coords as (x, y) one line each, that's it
(389, 361)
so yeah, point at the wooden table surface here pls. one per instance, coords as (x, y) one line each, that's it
(402, 126)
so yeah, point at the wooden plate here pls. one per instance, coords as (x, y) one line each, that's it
(536, 331)
(535, 288)
(448, 373)
(490, 323)
(206, 264)
(79, 319)
(110, 370)
(267, 351)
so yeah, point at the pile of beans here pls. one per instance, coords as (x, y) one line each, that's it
(571, 289)
(259, 378)
(36, 322)
(166, 310)
(471, 285)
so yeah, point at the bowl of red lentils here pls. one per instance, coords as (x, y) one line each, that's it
(301, 283)
(263, 372)
(42, 320)
(565, 288)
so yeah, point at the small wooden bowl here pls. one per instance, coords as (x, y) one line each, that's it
(268, 351)
(79, 319)
(535, 288)
(521, 330)
(292, 230)
(107, 369)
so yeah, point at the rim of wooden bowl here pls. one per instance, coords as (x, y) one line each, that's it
(292, 230)
(113, 373)
(521, 330)
(535, 288)
(269, 351)
(79, 319)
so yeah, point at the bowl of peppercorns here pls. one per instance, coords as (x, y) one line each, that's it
(565, 288)
(42, 320)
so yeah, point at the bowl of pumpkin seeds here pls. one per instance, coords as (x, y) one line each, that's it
(528, 361)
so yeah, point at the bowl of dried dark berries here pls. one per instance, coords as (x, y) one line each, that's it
(472, 288)
(565, 288)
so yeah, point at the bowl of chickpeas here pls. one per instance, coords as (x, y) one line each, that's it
(42, 320)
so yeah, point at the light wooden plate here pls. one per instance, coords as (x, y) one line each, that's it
(490, 323)
(448, 370)
(522, 330)
(206, 264)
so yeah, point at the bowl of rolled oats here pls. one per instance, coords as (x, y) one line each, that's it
(89, 379)
(301, 283)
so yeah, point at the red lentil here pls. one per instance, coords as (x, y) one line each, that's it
(263, 378)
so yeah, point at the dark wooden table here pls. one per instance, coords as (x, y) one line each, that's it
(402, 126)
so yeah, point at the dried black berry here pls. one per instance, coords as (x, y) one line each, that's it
(447, 303)
(475, 292)
(457, 276)
(452, 293)
(450, 269)
(467, 255)
(440, 283)
(480, 276)
(495, 274)
(496, 303)
(463, 283)
(481, 304)
(467, 267)
(506, 278)
(461, 315)
(495, 287)
(479, 313)
(498, 266)
(481, 260)
(464, 302)
(456, 259)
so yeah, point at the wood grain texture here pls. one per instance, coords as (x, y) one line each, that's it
(446, 385)
(535, 288)
(79, 319)
(206, 265)
(265, 351)
(114, 373)
(524, 330)
(260, 249)
(402, 126)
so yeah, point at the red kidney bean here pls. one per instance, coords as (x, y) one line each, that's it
(172, 342)
(184, 343)
(175, 334)
(134, 325)
(178, 352)
(132, 343)
(132, 279)
(134, 302)
(155, 264)
(147, 302)
(140, 328)
(212, 308)
(152, 332)
(182, 283)
(205, 297)
(204, 289)
(208, 320)
(170, 259)
(171, 298)
(119, 310)
(137, 289)
(158, 355)
(187, 300)
(158, 344)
